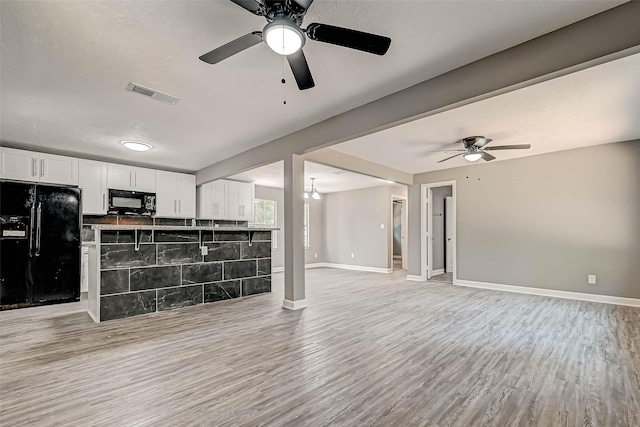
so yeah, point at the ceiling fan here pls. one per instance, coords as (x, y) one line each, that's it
(284, 36)
(475, 149)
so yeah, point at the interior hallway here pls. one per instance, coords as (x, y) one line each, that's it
(370, 349)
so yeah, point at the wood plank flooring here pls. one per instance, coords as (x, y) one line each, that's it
(371, 349)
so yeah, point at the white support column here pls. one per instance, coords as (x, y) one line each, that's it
(294, 287)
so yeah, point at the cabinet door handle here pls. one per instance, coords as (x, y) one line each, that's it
(179, 206)
(33, 166)
(103, 201)
(175, 206)
(41, 167)
(130, 180)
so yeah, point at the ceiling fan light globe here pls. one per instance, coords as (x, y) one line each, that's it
(306, 194)
(472, 157)
(315, 195)
(283, 37)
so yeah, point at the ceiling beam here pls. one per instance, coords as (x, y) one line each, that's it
(329, 157)
(604, 37)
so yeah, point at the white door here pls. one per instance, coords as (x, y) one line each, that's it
(166, 200)
(19, 164)
(92, 179)
(219, 202)
(186, 196)
(429, 233)
(58, 169)
(144, 180)
(205, 200)
(119, 177)
(233, 200)
(403, 233)
(448, 231)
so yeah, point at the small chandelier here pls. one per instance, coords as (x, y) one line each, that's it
(313, 193)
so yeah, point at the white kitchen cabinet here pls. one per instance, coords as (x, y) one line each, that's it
(121, 177)
(240, 201)
(92, 179)
(32, 166)
(186, 195)
(176, 195)
(19, 164)
(212, 200)
(58, 169)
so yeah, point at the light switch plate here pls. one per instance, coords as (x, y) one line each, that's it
(592, 279)
(381, 226)
(204, 250)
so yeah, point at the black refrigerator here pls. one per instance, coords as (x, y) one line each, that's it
(40, 244)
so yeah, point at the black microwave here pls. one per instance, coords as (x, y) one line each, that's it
(123, 202)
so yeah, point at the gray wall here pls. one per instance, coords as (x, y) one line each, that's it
(439, 194)
(316, 218)
(546, 221)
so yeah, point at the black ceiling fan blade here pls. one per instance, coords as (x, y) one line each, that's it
(231, 48)
(345, 37)
(510, 147)
(449, 158)
(488, 157)
(252, 6)
(300, 70)
(303, 3)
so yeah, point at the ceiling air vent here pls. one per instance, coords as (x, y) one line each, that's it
(339, 172)
(152, 93)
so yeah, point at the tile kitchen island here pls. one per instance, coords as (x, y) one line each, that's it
(138, 269)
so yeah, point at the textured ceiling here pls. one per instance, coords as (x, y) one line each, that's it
(327, 178)
(595, 106)
(66, 64)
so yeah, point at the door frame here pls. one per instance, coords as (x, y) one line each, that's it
(404, 243)
(424, 224)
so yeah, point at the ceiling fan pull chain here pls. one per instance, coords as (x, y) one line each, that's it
(284, 87)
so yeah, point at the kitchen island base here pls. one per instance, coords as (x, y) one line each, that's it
(150, 269)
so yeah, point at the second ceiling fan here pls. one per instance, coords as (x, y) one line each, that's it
(475, 149)
(284, 36)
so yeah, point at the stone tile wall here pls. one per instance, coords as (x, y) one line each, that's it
(167, 269)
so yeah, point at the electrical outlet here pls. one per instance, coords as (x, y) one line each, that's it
(315, 255)
(353, 255)
(592, 279)
(204, 250)
(381, 226)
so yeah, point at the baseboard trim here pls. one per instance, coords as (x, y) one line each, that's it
(357, 268)
(340, 266)
(415, 278)
(294, 305)
(437, 272)
(604, 299)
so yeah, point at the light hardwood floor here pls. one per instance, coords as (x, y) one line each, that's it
(371, 349)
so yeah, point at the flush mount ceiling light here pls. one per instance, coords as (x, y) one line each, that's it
(283, 37)
(389, 182)
(136, 145)
(472, 157)
(313, 193)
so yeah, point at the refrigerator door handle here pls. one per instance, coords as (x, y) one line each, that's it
(38, 225)
(31, 225)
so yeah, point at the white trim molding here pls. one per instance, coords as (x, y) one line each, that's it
(604, 299)
(416, 278)
(438, 272)
(356, 267)
(294, 305)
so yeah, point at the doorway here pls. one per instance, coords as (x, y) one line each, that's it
(399, 215)
(438, 224)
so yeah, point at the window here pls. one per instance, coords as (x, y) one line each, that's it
(265, 216)
(306, 225)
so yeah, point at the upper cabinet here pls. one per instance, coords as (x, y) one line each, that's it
(222, 199)
(38, 167)
(92, 179)
(176, 195)
(121, 177)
